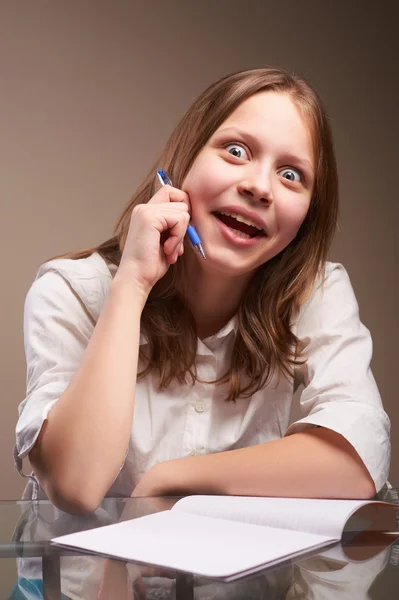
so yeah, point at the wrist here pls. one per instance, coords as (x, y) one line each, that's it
(126, 279)
(150, 485)
(172, 478)
(154, 481)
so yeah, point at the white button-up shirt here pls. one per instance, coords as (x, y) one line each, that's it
(339, 391)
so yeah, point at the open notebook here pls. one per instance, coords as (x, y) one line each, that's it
(227, 537)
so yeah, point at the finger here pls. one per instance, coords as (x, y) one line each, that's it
(176, 235)
(163, 217)
(172, 246)
(172, 258)
(168, 193)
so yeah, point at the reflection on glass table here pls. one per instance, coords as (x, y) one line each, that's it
(361, 570)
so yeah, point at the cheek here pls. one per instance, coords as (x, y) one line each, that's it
(291, 215)
(203, 183)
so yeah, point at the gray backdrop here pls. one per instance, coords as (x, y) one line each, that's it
(90, 91)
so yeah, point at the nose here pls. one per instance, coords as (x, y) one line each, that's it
(257, 187)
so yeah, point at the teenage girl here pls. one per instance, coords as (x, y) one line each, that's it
(154, 371)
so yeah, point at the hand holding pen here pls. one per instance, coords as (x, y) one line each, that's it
(155, 238)
(191, 232)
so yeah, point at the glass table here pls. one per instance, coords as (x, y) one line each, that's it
(31, 567)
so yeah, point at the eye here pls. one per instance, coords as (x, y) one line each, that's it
(291, 174)
(236, 150)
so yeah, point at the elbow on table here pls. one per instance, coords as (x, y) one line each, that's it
(75, 493)
(75, 497)
(72, 500)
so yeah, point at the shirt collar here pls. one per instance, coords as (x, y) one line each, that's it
(224, 332)
(212, 342)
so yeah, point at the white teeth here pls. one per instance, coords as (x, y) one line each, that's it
(241, 219)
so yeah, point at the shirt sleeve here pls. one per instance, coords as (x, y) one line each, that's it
(57, 329)
(340, 392)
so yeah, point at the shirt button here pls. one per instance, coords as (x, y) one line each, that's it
(200, 407)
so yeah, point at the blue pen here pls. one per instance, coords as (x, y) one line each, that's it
(192, 234)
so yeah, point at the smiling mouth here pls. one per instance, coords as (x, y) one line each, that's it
(243, 229)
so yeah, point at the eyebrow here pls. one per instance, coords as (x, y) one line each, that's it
(302, 162)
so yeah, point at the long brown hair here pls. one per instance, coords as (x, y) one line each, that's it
(264, 339)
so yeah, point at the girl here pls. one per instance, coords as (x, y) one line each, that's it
(153, 371)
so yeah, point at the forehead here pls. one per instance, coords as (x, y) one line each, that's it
(272, 115)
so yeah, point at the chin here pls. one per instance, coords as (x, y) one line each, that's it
(227, 264)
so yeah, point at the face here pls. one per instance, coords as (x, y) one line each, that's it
(250, 186)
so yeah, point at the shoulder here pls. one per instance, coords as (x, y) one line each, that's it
(332, 295)
(65, 281)
(332, 278)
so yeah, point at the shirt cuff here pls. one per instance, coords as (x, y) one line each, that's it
(33, 412)
(365, 427)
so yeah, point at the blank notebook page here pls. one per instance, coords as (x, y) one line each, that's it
(196, 544)
(324, 517)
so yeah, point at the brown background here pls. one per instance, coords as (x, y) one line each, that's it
(91, 90)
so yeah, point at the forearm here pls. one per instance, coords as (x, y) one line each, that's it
(318, 463)
(83, 442)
